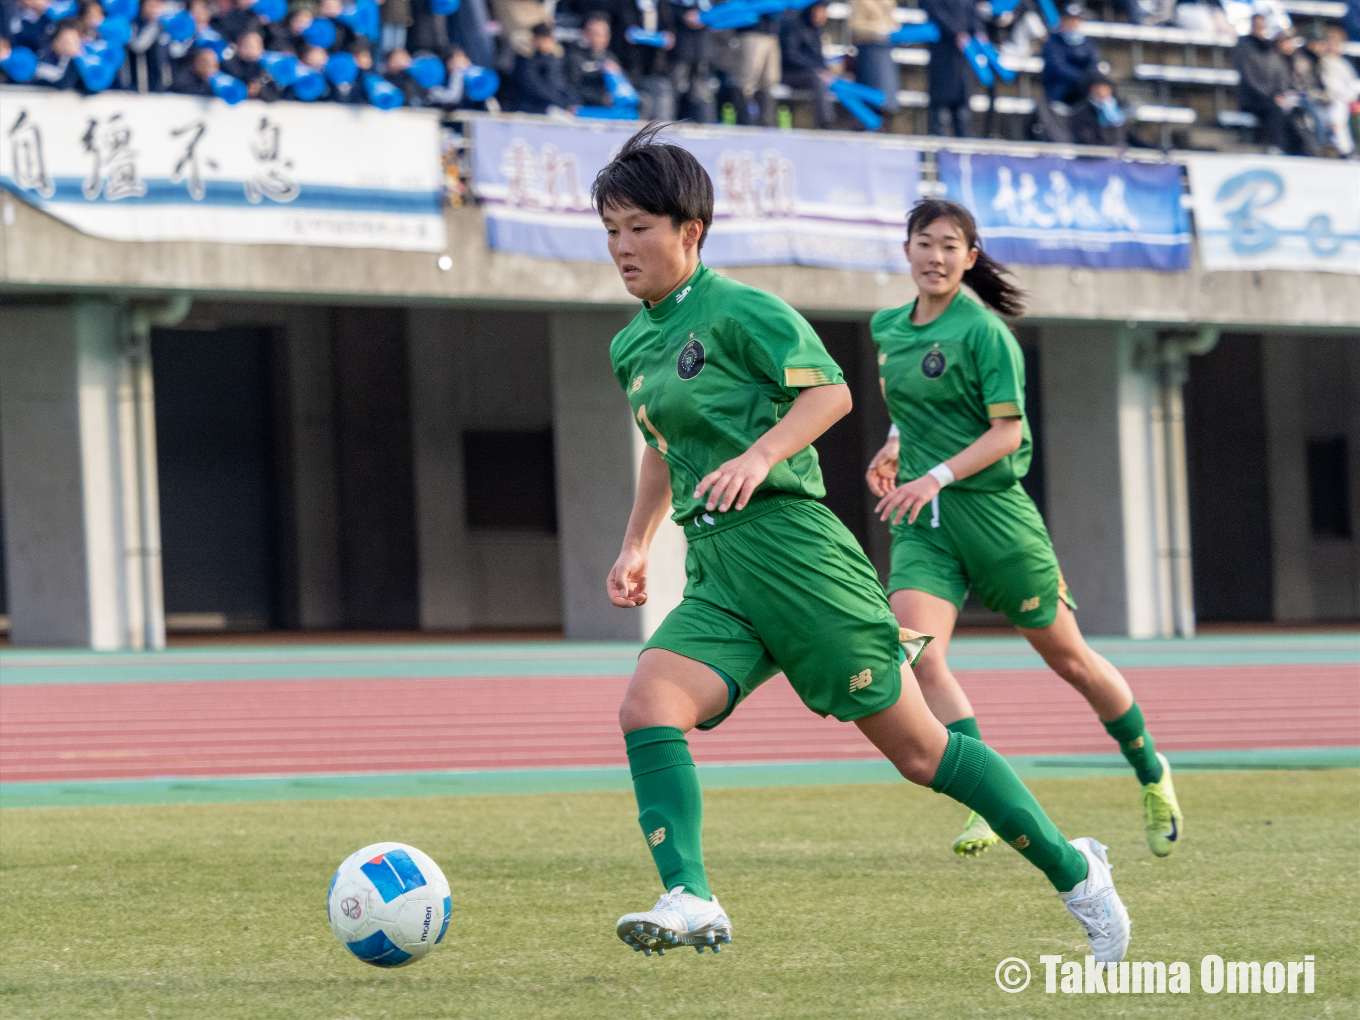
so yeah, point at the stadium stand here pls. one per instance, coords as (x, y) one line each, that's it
(1176, 78)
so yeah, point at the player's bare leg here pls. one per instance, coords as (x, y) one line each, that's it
(1065, 650)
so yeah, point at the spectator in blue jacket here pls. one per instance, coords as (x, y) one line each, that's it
(949, 80)
(195, 77)
(800, 44)
(31, 25)
(1070, 58)
(589, 60)
(245, 65)
(540, 80)
(691, 63)
(1351, 22)
(234, 17)
(148, 65)
(56, 62)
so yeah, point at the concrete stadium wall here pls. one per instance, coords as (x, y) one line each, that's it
(38, 253)
(381, 365)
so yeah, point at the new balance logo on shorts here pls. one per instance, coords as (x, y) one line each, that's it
(655, 839)
(863, 680)
(1029, 605)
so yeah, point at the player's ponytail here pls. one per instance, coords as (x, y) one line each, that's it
(988, 278)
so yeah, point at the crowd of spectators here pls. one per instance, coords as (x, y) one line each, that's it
(668, 59)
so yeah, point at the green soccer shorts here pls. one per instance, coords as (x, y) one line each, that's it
(786, 587)
(992, 542)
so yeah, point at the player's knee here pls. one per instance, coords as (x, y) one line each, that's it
(1075, 665)
(931, 673)
(918, 767)
(634, 714)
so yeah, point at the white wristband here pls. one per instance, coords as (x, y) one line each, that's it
(941, 473)
(893, 432)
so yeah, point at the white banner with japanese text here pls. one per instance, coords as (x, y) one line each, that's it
(175, 168)
(1276, 212)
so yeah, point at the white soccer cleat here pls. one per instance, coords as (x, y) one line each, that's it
(678, 919)
(1097, 906)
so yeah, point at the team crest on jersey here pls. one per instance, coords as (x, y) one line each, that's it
(933, 364)
(691, 361)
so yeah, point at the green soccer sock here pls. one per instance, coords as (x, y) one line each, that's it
(1135, 743)
(670, 805)
(967, 726)
(976, 776)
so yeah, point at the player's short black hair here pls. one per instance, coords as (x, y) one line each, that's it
(657, 177)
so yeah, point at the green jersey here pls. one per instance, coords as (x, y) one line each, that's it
(710, 370)
(945, 381)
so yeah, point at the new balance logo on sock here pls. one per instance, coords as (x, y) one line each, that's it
(863, 680)
(1020, 842)
(1029, 605)
(655, 839)
(1134, 744)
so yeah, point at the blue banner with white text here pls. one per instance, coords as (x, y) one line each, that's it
(1096, 213)
(781, 198)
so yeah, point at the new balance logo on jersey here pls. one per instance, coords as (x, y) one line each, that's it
(863, 680)
(1020, 842)
(637, 385)
(681, 296)
(655, 839)
(1029, 605)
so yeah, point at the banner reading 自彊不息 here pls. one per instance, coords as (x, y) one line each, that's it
(1098, 213)
(780, 197)
(1276, 212)
(175, 168)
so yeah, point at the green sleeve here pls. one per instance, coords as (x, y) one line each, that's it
(1001, 369)
(616, 364)
(782, 349)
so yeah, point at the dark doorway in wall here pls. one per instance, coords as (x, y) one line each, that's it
(1225, 439)
(840, 449)
(4, 603)
(510, 480)
(377, 488)
(216, 493)
(1033, 483)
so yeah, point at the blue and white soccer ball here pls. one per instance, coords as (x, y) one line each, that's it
(389, 904)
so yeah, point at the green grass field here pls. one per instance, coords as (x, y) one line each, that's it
(845, 899)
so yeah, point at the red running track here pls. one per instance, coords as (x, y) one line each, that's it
(140, 730)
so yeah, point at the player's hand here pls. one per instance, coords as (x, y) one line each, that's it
(627, 582)
(732, 484)
(882, 473)
(907, 500)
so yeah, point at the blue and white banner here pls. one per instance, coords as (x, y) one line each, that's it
(1276, 212)
(780, 197)
(176, 168)
(1099, 213)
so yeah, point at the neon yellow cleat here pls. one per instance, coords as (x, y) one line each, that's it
(1162, 818)
(977, 837)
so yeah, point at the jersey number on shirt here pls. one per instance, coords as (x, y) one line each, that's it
(660, 439)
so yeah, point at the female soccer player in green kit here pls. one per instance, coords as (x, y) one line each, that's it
(954, 380)
(730, 386)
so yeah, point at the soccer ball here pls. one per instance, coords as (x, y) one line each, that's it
(389, 904)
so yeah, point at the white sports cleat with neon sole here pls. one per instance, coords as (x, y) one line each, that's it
(678, 919)
(1097, 906)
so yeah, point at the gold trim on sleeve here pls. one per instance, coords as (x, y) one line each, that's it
(805, 377)
(660, 439)
(1006, 409)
